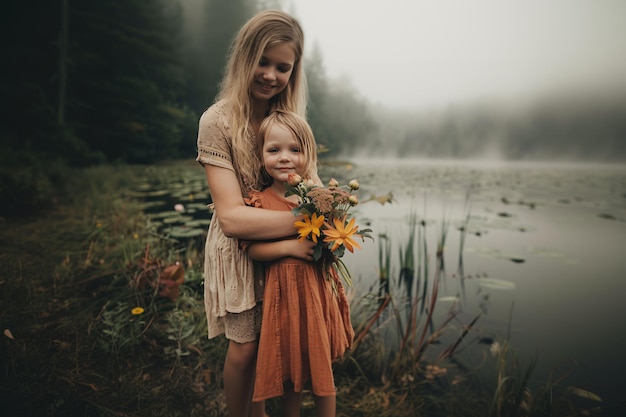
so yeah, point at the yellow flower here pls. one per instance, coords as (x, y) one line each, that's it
(342, 234)
(310, 226)
(136, 311)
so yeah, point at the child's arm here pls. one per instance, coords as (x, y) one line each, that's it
(271, 251)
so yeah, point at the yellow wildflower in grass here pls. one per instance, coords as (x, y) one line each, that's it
(136, 311)
(310, 226)
(342, 234)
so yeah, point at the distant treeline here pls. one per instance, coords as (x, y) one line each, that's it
(576, 125)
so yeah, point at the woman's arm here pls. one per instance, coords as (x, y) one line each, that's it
(271, 251)
(241, 221)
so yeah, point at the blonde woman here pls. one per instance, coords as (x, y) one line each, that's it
(264, 72)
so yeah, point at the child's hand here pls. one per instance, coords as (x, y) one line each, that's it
(302, 249)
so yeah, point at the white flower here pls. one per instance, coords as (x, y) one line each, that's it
(495, 348)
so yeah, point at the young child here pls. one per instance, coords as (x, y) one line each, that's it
(306, 323)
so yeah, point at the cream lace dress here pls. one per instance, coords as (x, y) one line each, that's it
(229, 281)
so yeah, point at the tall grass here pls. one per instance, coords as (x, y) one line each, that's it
(411, 360)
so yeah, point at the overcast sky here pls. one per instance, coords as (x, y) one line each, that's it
(422, 53)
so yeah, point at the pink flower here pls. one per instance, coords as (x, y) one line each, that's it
(294, 179)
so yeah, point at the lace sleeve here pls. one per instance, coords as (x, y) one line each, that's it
(214, 140)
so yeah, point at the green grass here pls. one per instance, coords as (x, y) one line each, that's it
(72, 274)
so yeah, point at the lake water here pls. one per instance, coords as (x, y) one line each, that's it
(546, 241)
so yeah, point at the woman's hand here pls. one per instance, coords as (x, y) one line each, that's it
(240, 221)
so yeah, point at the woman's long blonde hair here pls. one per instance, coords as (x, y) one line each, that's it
(301, 132)
(265, 30)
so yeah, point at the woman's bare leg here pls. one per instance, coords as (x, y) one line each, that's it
(325, 406)
(239, 368)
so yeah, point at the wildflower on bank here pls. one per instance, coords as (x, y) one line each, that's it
(137, 311)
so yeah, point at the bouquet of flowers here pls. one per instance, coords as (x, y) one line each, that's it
(327, 220)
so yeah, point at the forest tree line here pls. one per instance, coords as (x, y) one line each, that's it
(94, 81)
(85, 82)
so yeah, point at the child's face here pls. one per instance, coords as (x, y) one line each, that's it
(282, 154)
(272, 73)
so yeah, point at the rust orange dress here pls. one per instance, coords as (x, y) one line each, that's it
(306, 323)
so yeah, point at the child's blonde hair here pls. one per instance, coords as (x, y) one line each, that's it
(301, 132)
(265, 30)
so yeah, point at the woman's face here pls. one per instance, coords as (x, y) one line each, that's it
(273, 72)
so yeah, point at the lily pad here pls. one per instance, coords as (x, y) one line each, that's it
(152, 204)
(495, 284)
(157, 193)
(185, 232)
(177, 219)
(197, 206)
(517, 259)
(198, 223)
(164, 214)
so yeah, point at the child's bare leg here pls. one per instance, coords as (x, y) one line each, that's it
(258, 409)
(239, 368)
(291, 405)
(325, 406)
